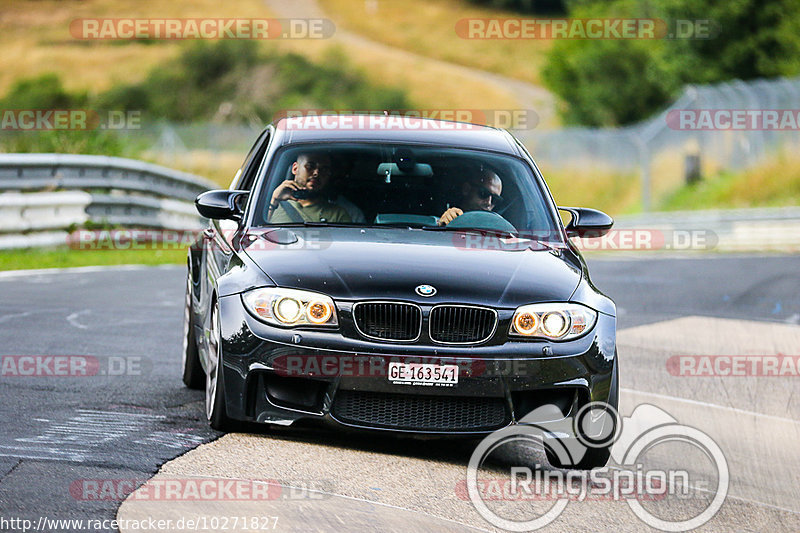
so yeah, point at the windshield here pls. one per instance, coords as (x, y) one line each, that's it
(433, 188)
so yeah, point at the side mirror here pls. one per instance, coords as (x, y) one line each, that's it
(587, 222)
(221, 204)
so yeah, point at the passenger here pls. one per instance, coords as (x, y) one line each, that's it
(304, 198)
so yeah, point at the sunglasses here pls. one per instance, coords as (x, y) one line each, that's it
(484, 193)
(311, 166)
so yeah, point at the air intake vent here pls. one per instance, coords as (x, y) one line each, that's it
(460, 324)
(392, 321)
(421, 413)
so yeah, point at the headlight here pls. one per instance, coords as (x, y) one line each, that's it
(558, 322)
(290, 307)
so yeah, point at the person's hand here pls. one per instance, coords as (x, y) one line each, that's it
(284, 191)
(450, 215)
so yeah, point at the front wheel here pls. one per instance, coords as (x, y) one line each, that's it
(215, 389)
(592, 458)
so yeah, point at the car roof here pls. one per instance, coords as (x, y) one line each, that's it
(394, 129)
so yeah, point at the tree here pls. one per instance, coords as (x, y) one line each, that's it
(615, 82)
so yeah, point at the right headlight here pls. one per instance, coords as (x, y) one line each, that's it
(554, 321)
(291, 307)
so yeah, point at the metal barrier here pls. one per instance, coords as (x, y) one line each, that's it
(775, 229)
(42, 196)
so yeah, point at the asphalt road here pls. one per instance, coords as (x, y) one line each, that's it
(59, 434)
(58, 431)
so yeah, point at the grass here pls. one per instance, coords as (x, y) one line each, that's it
(35, 39)
(427, 27)
(64, 257)
(218, 167)
(38, 31)
(429, 86)
(771, 184)
(600, 189)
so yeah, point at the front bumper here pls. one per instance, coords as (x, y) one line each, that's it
(283, 376)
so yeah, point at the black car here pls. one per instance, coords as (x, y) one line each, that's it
(394, 275)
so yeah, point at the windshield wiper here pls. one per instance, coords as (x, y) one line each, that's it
(314, 224)
(550, 245)
(471, 230)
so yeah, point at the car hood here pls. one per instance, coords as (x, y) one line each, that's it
(378, 263)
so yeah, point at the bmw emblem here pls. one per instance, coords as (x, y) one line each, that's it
(425, 290)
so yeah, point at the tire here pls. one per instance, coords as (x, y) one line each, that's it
(593, 458)
(193, 375)
(215, 388)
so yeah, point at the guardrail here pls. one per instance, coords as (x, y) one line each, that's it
(774, 229)
(42, 196)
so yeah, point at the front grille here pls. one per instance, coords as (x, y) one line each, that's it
(462, 324)
(388, 320)
(421, 413)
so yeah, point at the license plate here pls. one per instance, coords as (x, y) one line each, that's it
(423, 374)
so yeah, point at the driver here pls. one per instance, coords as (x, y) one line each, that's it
(479, 194)
(304, 198)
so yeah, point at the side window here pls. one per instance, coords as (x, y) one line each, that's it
(245, 176)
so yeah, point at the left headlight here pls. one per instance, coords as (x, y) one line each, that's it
(554, 321)
(291, 307)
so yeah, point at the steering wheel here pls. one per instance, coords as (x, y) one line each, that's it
(487, 220)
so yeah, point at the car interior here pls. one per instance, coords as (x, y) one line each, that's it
(413, 186)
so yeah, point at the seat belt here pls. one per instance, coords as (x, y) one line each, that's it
(294, 214)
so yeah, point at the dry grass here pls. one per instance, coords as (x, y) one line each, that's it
(427, 27)
(218, 167)
(599, 189)
(775, 182)
(35, 38)
(428, 86)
